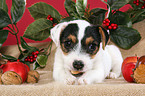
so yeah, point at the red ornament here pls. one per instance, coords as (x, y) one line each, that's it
(127, 71)
(17, 67)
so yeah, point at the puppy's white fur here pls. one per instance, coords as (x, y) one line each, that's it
(106, 63)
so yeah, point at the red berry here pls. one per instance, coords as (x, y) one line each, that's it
(110, 27)
(104, 22)
(134, 2)
(107, 24)
(26, 59)
(37, 52)
(18, 60)
(35, 56)
(137, 4)
(48, 17)
(137, 1)
(33, 53)
(51, 19)
(54, 24)
(34, 59)
(142, 7)
(114, 27)
(31, 57)
(107, 20)
(112, 24)
(31, 60)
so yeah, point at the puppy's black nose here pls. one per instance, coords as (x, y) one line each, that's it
(78, 64)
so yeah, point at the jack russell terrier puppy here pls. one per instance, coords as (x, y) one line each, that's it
(82, 56)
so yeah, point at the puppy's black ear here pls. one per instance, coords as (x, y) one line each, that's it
(104, 36)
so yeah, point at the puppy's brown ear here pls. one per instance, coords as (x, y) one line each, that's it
(55, 32)
(104, 37)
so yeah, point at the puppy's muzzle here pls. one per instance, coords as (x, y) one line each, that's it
(78, 65)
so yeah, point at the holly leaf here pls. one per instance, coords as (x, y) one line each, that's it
(3, 5)
(67, 19)
(42, 10)
(117, 4)
(38, 30)
(125, 37)
(25, 45)
(81, 6)
(97, 16)
(17, 10)
(41, 60)
(121, 18)
(4, 18)
(138, 15)
(8, 57)
(70, 7)
(35, 65)
(3, 36)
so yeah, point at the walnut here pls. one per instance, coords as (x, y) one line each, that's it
(33, 77)
(11, 78)
(0, 78)
(139, 74)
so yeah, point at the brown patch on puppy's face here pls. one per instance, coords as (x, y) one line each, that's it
(92, 46)
(73, 38)
(68, 38)
(91, 41)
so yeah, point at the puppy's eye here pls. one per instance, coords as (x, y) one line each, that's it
(67, 44)
(92, 47)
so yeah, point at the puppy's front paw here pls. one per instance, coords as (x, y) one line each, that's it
(83, 81)
(112, 75)
(70, 80)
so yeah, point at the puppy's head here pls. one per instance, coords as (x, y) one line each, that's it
(79, 42)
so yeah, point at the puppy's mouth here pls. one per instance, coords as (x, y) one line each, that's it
(76, 73)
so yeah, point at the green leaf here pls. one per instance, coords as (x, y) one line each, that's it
(97, 16)
(117, 4)
(121, 18)
(3, 36)
(81, 6)
(38, 30)
(42, 10)
(70, 7)
(24, 44)
(125, 37)
(35, 65)
(138, 15)
(67, 19)
(41, 60)
(17, 10)
(4, 18)
(8, 57)
(3, 5)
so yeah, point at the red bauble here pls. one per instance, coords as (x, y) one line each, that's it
(127, 71)
(18, 67)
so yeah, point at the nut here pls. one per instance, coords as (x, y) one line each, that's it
(33, 77)
(0, 78)
(139, 74)
(11, 78)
